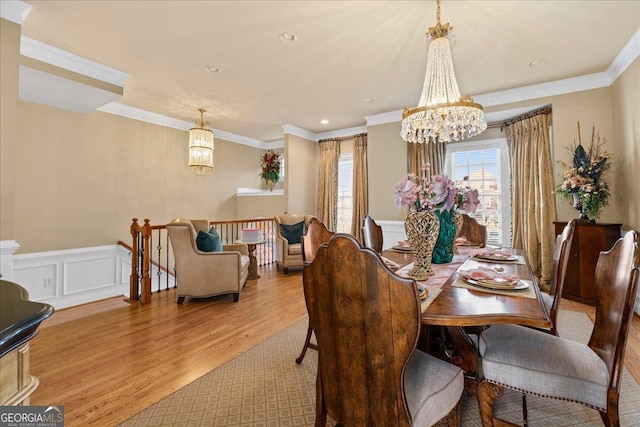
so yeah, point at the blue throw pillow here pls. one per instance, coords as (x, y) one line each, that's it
(293, 233)
(208, 242)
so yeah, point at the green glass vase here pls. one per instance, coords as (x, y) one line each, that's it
(443, 250)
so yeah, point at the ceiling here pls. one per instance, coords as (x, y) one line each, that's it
(345, 52)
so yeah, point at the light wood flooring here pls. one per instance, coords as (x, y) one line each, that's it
(108, 360)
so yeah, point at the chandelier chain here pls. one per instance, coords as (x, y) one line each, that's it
(442, 113)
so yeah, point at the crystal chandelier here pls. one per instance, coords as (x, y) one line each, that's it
(201, 146)
(442, 113)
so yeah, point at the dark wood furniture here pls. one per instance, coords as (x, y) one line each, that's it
(473, 231)
(19, 322)
(456, 308)
(616, 282)
(367, 322)
(560, 263)
(316, 234)
(588, 241)
(371, 234)
(253, 261)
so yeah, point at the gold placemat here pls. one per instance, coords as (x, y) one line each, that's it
(530, 292)
(433, 294)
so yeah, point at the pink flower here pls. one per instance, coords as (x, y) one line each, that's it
(470, 200)
(442, 193)
(406, 192)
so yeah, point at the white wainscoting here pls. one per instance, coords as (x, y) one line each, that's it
(392, 232)
(76, 276)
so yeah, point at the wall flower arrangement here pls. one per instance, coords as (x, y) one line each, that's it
(270, 166)
(582, 181)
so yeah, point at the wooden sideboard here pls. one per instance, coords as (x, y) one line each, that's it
(588, 241)
(19, 321)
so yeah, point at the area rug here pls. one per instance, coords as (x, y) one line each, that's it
(265, 387)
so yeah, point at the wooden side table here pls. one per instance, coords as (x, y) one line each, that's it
(253, 262)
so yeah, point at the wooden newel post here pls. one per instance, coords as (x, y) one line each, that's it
(145, 296)
(133, 279)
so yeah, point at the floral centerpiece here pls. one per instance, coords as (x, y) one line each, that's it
(442, 198)
(583, 179)
(270, 165)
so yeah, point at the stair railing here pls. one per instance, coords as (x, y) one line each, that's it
(147, 260)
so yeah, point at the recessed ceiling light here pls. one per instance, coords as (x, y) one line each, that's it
(535, 63)
(369, 100)
(211, 69)
(288, 37)
(324, 121)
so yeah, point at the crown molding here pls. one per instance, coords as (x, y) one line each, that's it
(340, 133)
(60, 58)
(239, 139)
(160, 120)
(14, 11)
(627, 55)
(278, 143)
(382, 118)
(542, 90)
(302, 133)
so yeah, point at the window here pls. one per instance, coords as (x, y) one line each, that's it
(282, 163)
(486, 165)
(345, 193)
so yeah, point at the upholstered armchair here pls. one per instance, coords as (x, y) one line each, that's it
(288, 240)
(205, 274)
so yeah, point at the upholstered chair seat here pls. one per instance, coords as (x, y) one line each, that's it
(431, 383)
(542, 364)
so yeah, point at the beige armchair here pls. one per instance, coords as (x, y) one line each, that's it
(205, 274)
(289, 254)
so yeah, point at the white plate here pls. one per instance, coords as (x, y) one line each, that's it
(401, 248)
(423, 293)
(488, 257)
(498, 287)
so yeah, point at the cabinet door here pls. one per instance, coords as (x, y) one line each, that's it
(572, 277)
(592, 241)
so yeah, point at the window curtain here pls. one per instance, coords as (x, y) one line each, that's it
(360, 185)
(328, 183)
(431, 152)
(532, 199)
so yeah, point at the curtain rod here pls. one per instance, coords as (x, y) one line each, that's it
(342, 138)
(543, 110)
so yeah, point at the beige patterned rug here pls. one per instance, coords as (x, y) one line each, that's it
(265, 387)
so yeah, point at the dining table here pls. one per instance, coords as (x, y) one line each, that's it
(456, 309)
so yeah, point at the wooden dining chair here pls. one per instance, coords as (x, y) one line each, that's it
(560, 261)
(371, 234)
(317, 234)
(535, 362)
(367, 322)
(473, 231)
